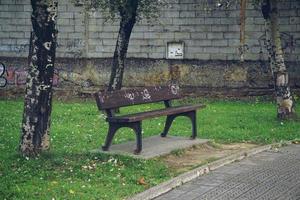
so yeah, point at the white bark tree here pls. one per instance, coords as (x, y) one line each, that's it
(284, 99)
(128, 15)
(35, 133)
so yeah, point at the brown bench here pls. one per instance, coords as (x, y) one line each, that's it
(109, 101)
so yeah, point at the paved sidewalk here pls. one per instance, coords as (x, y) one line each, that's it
(268, 175)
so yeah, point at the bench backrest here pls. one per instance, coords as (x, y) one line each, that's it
(127, 97)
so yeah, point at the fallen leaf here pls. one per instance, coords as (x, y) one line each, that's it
(141, 181)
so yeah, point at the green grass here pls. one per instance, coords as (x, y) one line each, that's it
(69, 171)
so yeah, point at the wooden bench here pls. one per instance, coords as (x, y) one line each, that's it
(109, 101)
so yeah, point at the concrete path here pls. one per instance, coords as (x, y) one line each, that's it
(154, 146)
(268, 175)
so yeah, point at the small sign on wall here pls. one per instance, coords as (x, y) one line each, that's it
(175, 50)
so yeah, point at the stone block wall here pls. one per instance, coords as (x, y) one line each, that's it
(211, 37)
(208, 32)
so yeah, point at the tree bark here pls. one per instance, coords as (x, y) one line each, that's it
(284, 99)
(242, 29)
(38, 96)
(128, 19)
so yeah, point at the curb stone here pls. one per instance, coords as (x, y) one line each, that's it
(166, 186)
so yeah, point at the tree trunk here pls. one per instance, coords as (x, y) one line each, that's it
(284, 99)
(38, 97)
(128, 19)
(242, 29)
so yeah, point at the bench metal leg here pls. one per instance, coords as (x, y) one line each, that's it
(168, 124)
(110, 135)
(192, 115)
(113, 127)
(137, 127)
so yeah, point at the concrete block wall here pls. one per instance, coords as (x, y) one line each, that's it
(208, 32)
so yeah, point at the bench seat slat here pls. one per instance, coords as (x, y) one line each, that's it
(155, 113)
(136, 96)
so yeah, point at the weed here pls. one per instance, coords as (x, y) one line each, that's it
(178, 152)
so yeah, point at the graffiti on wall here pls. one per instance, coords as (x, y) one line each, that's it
(16, 76)
(74, 48)
(3, 80)
(16, 49)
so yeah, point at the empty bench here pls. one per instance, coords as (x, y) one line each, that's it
(109, 101)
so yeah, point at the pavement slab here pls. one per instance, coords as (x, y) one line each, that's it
(270, 175)
(154, 146)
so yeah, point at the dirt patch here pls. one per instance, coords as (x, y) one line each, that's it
(180, 161)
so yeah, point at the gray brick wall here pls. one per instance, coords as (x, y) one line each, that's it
(208, 32)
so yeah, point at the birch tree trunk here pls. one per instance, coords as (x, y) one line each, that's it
(284, 99)
(38, 97)
(128, 18)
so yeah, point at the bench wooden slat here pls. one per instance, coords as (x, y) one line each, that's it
(120, 98)
(155, 113)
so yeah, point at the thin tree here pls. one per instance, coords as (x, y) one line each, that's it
(284, 99)
(35, 132)
(128, 12)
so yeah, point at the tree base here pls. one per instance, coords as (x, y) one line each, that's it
(288, 116)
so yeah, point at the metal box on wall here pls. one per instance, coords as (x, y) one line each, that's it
(175, 50)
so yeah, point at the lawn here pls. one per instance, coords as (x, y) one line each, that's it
(69, 171)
